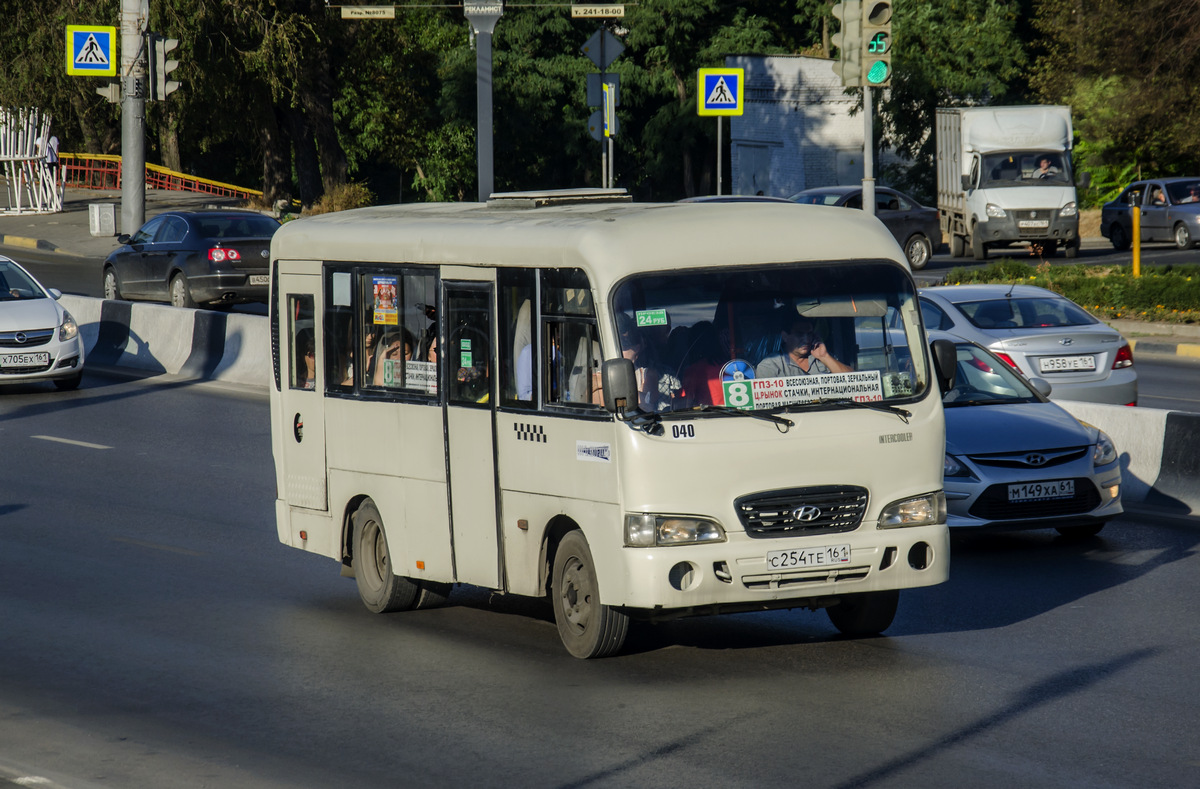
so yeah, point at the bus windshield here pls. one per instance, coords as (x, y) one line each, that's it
(772, 337)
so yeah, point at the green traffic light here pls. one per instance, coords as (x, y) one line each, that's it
(878, 73)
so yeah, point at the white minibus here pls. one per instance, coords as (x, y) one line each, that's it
(639, 411)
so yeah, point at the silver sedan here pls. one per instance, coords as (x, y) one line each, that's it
(1015, 460)
(1039, 333)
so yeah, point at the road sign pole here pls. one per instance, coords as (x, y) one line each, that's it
(868, 184)
(720, 147)
(133, 116)
(483, 18)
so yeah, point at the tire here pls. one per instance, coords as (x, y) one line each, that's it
(978, 248)
(67, 384)
(1118, 237)
(958, 247)
(381, 590)
(181, 294)
(1183, 237)
(1080, 532)
(1071, 250)
(918, 250)
(112, 288)
(587, 627)
(865, 614)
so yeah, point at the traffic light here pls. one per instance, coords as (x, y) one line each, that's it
(848, 41)
(877, 43)
(160, 67)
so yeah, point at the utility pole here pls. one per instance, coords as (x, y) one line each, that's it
(133, 114)
(483, 17)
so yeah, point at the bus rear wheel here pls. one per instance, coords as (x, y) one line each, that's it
(865, 614)
(381, 590)
(587, 627)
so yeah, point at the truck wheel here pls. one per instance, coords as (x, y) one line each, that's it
(1183, 238)
(864, 614)
(978, 248)
(957, 246)
(1072, 248)
(1118, 237)
(918, 250)
(381, 590)
(587, 627)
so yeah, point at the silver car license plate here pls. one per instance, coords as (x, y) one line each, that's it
(1042, 491)
(24, 359)
(1054, 364)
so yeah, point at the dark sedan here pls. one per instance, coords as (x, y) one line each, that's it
(192, 258)
(1170, 211)
(915, 226)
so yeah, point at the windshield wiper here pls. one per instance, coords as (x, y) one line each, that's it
(764, 415)
(838, 402)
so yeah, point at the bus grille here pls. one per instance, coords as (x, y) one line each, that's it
(793, 512)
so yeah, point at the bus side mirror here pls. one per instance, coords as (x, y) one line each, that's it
(620, 386)
(945, 363)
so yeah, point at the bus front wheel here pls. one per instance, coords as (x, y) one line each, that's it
(587, 627)
(381, 590)
(865, 614)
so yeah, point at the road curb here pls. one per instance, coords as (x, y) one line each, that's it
(24, 242)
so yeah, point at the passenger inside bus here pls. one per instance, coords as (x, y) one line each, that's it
(701, 364)
(657, 388)
(395, 346)
(306, 360)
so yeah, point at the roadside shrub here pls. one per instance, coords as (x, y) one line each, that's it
(343, 198)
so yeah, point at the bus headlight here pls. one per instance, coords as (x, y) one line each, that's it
(646, 530)
(918, 511)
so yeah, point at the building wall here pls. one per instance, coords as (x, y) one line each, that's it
(796, 131)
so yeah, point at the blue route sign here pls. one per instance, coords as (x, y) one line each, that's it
(720, 91)
(91, 51)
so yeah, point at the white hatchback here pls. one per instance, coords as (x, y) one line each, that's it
(39, 340)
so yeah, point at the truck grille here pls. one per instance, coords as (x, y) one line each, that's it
(792, 512)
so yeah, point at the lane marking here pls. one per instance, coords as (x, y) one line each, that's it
(155, 546)
(73, 442)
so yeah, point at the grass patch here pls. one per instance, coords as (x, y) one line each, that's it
(1170, 294)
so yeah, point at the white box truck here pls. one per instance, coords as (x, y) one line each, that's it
(1005, 177)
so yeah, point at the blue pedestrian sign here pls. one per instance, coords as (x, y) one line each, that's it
(91, 51)
(720, 91)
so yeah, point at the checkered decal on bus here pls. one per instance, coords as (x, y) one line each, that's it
(530, 432)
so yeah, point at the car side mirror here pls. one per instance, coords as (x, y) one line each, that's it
(1041, 385)
(945, 363)
(966, 183)
(620, 386)
(55, 293)
(123, 238)
(1085, 180)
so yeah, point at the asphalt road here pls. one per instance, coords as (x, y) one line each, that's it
(156, 634)
(1094, 252)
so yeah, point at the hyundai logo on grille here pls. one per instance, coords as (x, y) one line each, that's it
(1034, 459)
(806, 513)
(20, 338)
(1065, 341)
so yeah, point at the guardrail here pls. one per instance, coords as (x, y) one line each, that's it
(103, 171)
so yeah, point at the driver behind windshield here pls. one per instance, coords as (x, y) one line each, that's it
(804, 353)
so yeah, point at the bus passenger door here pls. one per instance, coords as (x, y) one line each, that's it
(470, 441)
(301, 385)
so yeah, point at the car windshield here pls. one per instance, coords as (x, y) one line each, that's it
(1025, 313)
(237, 226)
(817, 198)
(1025, 168)
(16, 285)
(1184, 191)
(982, 379)
(773, 337)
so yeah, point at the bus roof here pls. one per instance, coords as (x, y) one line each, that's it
(609, 240)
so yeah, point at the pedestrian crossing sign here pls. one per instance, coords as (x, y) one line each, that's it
(720, 91)
(91, 51)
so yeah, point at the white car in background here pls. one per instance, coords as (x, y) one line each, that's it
(39, 340)
(1041, 334)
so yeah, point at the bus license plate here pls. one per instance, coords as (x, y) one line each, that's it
(808, 557)
(260, 279)
(1042, 491)
(24, 359)
(1053, 364)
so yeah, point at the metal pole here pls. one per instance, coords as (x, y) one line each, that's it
(483, 17)
(133, 115)
(1137, 241)
(612, 163)
(720, 145)
(868, 184)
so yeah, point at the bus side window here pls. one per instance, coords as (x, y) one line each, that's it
(571, 362)
(302, 341)
(397, 346)
(518, 351)
(339, 333)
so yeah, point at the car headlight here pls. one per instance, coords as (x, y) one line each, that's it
(1070, 209)
(646, 530)
(68, 328)
(1105, 451)
(995, 211)
(952, 467)
(918, 511)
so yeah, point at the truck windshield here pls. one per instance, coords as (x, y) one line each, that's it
(769, 338)
(1026, 168)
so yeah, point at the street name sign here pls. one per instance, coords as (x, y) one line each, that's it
(597, 11)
